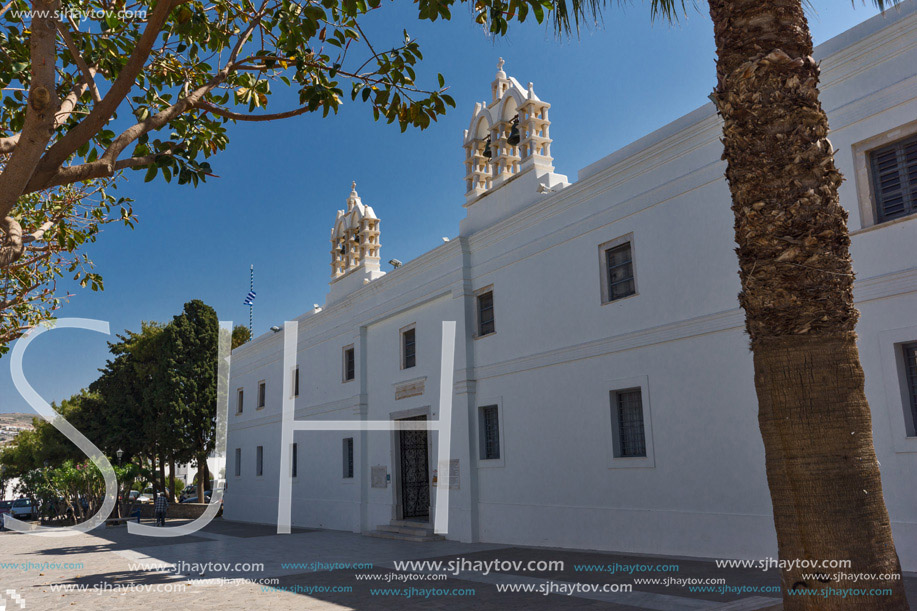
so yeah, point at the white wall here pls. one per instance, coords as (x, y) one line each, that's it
(558, 351)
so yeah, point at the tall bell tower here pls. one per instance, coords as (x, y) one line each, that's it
(508, 138)
(355, 247)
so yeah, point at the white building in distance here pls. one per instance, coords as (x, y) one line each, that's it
(603, 392)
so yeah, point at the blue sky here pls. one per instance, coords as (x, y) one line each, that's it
(281, 183)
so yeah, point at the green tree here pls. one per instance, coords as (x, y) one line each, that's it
(45, 445)
(65, 220)
(797, 281)
(240, 335)
(190, 362)
(134, 406)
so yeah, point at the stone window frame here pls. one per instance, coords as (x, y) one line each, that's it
(484, 463)
(477, 311)
(610, 409)
(603, 267)
(344, 350)
(401, 333)
(866, 200)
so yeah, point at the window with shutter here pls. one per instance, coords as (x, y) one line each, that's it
(631, 437)
(408, 349)
(620, 269)
(910, 367)
(490, 432)
(348, 458)
(350, 365)
(486, 323)
(894, 178)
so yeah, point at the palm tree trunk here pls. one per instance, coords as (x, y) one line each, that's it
(797, 292)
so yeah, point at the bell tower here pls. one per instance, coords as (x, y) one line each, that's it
(508, 138)
(355, 247)
(354, 237)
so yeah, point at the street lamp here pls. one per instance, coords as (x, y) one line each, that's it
(119, 454)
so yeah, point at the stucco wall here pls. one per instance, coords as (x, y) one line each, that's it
(558, 351)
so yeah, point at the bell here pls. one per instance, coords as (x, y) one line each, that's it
(487, 153)
(513, 139)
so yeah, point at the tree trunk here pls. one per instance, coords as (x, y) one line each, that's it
(171, 479)
(201, 475)
(162, 474)
(797, 293)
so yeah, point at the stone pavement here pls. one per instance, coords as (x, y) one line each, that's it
(240, 566)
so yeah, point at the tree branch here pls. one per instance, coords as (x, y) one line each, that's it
(78, 59)
(7, 7)
(238, 116)
(39, 118)
(51, 173)
(9, 143)
(12, 247)
(70, 102)
(103, 111)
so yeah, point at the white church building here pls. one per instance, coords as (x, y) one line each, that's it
(602, 391)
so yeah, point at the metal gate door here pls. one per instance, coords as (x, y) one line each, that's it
(415, 474)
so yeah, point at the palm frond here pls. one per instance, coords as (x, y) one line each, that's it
(882, 4)
(669, 10)
(582, 11)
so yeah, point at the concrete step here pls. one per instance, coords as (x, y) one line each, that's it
(406, 530)
(412, 524)
(382, 534)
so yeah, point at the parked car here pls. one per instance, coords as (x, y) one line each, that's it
(191, 490)
(193, 499)
(22, 509)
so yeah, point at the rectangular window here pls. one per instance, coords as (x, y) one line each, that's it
(894, 179)
(262, 394)
(296, 382)
(238, 462)
(350, 365)
(489, 423)
(620, 272)
(910, 369)
(348, 457)
(486, 323)
(295, 457)
(408, 349)
(627, 416)
(241, 401)
(259, 463)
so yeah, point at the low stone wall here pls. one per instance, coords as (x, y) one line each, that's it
(188, 511)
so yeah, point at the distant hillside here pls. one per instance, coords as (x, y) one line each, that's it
(12, 424)
(17, 419)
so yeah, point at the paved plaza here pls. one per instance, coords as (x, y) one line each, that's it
(239, 566)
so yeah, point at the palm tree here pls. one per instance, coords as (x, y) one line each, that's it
(797, 293)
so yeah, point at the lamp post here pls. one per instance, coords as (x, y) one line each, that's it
(119, 454)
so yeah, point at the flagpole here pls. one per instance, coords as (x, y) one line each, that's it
(251, 303)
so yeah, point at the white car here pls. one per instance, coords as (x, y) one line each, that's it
(22, 509)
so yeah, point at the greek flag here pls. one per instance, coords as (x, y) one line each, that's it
(250, 298)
